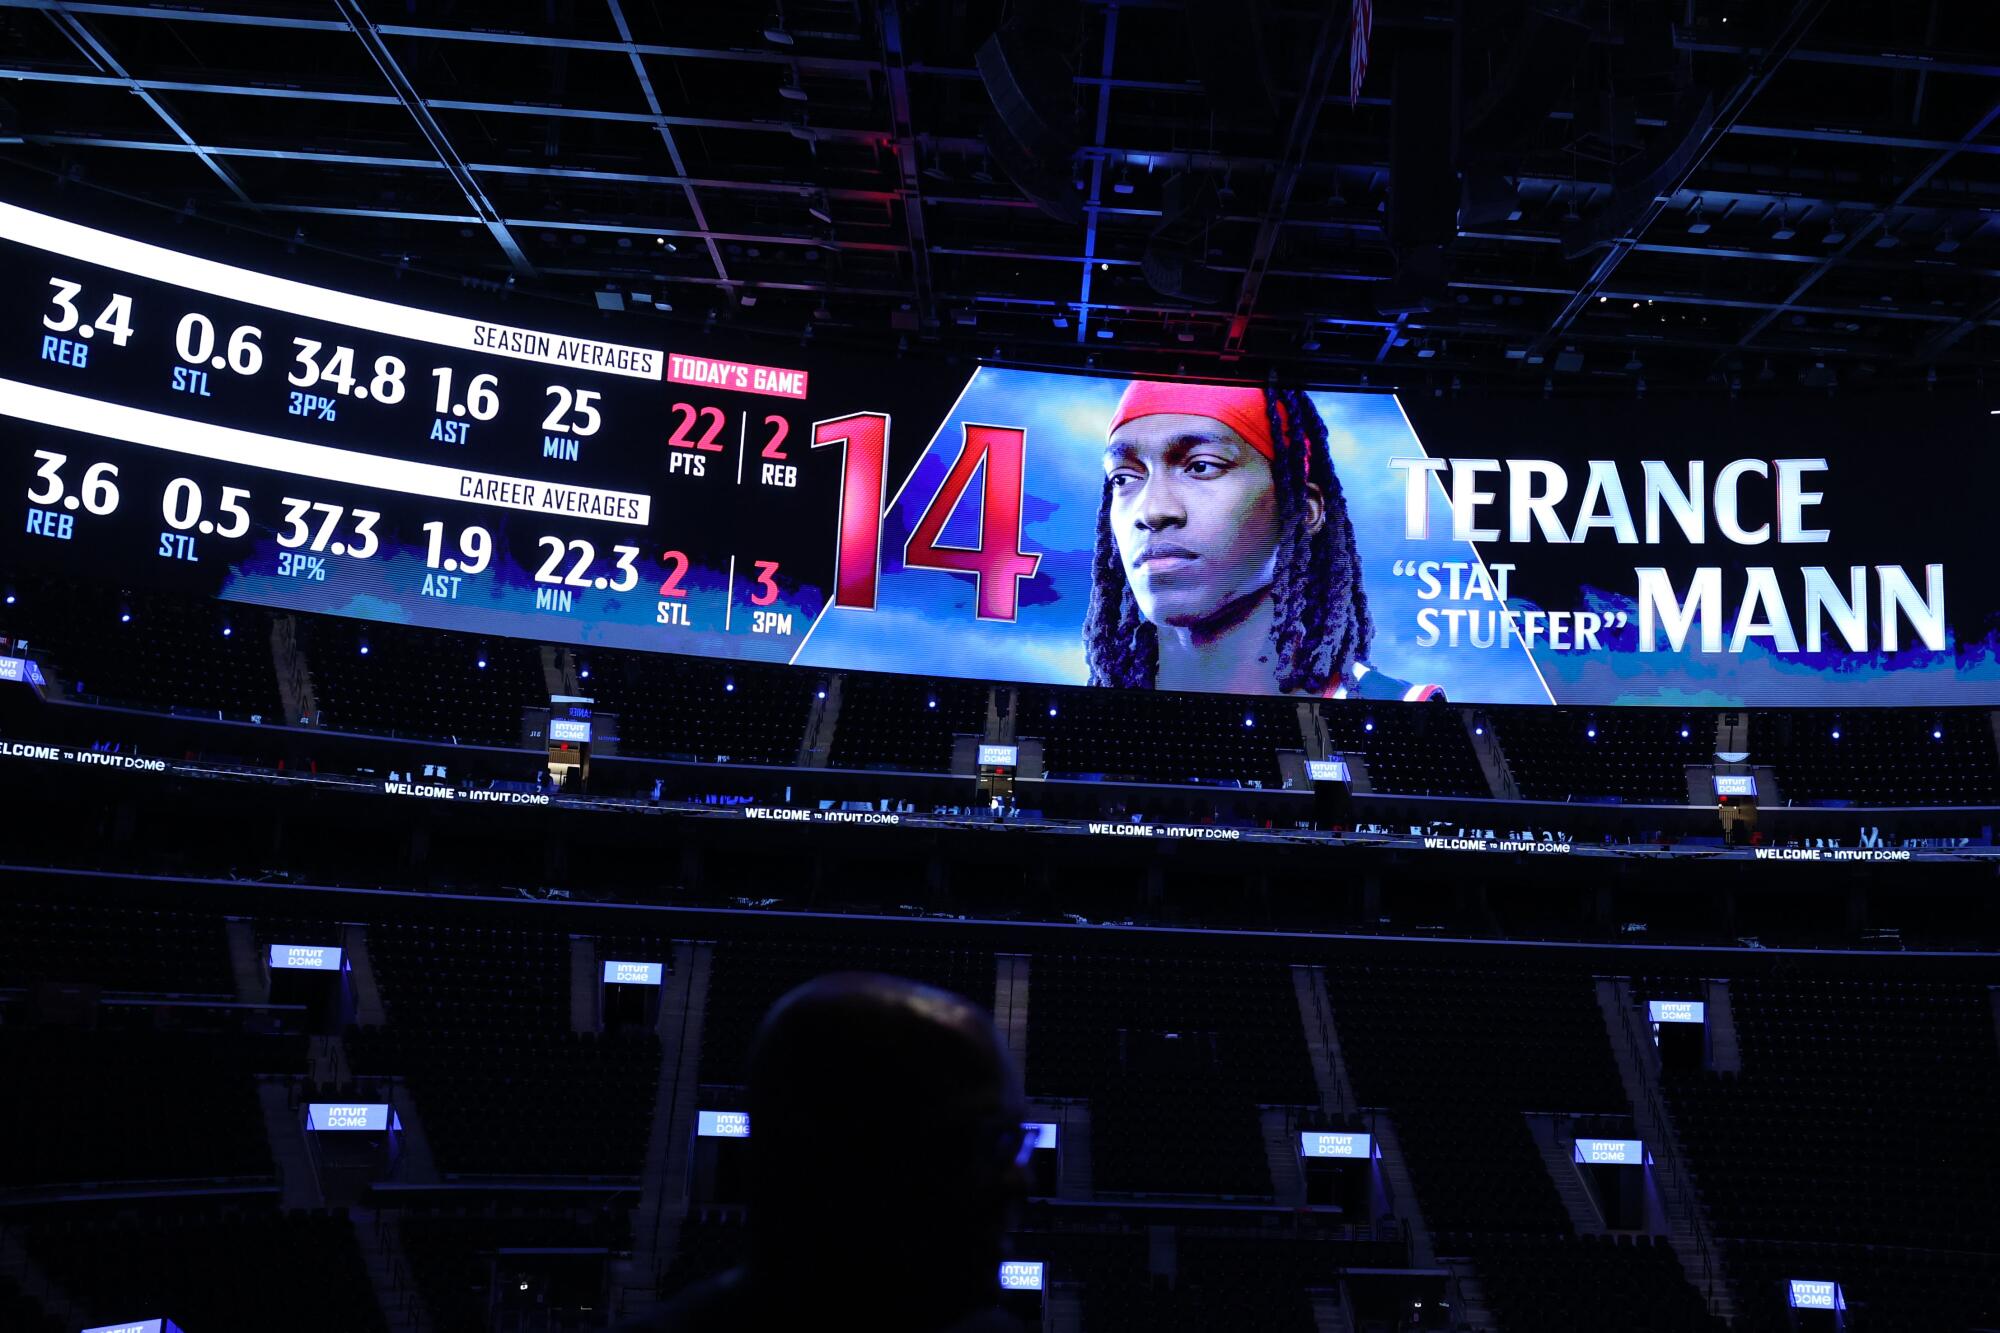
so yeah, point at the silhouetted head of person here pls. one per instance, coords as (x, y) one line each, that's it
(885, 1149)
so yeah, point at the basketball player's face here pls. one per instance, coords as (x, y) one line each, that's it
(1195, 516)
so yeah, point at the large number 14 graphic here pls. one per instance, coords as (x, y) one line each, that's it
(997, 564)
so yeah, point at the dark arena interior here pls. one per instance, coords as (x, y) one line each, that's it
(1321, 647)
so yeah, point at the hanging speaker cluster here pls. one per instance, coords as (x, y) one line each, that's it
(1031, 133)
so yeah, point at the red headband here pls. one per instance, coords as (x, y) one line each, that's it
(1242, 410)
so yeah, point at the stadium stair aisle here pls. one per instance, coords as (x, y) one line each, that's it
(1725, 1055)
(1402, 1190)
(1471, 1312)
(1281, 1154)
(1329, 1314)
(298, 1183)
(1336, 1092)
(1461, 1057)
(1486, 748)
(1078, 1179)
(584, 981)
(416, 1164)
(368, 1010)
(1174, 1057)
(216, 1262)
(379, 1235)
(664, 1180)
(1556, 1151)
(1010, 1006)
(1062, 1309)
(33, 1283)
(1688, 1227)
(1839, 1150)
(244, 964)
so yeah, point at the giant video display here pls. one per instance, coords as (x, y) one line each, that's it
(173, 415)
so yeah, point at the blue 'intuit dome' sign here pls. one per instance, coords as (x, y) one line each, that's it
(1021, 1275)
(1817, 1295)
(1611, 1152)
(1339, 1143)
(722, 1124)
(305, 957)
(349, 1115)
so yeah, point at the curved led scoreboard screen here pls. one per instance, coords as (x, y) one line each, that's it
(524, 470)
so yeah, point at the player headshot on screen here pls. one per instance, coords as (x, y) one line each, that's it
(1225, 559)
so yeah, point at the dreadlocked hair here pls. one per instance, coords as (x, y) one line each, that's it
(1320, 624)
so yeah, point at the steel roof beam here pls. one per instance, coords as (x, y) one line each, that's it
(599, 228)
(1753, 82)
(650, 227)
(1869, 226)
(893, 60)
(1136, 156)
(801, 188)
(1298, 142)
(1096, 196)
(433, 133)
(99, 55)
(667, 137)
(1926, 60)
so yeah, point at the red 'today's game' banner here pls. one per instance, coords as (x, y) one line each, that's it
(709, 373)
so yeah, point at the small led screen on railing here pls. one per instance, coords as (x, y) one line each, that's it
(1611, 1152)
(305, 957)
(352, 1116)
(1335, 1143)
(722, 1124)
(1813, 1295)
(1021, 1275)
(183, 420)
(22, 669)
